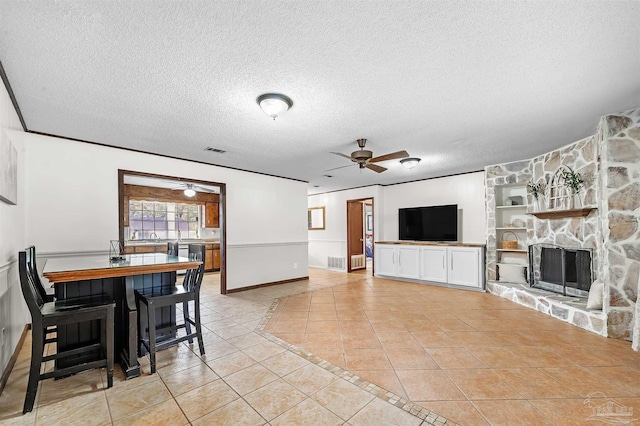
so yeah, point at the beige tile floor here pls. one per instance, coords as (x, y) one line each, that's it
(470, 357)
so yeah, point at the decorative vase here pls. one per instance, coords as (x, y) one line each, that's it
(574, 201)
(539, 204)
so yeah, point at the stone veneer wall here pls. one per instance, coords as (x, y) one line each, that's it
(620, 158)
(610, 163)
(570, 232)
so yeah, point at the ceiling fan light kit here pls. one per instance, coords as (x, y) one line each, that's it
(365, 159)
(410, 163)
(274, 104)
(189, 191)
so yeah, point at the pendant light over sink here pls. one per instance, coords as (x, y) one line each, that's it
(274, 104)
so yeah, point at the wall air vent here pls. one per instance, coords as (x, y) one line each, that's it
(216, 150)
(335, 262)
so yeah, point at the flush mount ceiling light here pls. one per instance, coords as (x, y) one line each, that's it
(274, 104)
(189, 192)
(410, 163)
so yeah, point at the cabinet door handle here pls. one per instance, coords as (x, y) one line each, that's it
(452, 263)
(443, 261)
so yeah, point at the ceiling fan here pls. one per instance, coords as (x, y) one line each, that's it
(365, 159)
(190, 189)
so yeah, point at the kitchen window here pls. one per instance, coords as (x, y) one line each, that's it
(159, 220)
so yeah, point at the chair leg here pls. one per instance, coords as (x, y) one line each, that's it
(187, 324)
(140, 334)
(151, 315)
(198, 326)
(109, 325)
(37, 349)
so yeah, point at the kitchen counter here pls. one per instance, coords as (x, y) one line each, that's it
(212, 246)
(164, 242)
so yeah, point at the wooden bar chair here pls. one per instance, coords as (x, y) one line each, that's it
(172, 249)
(50, 334)
(31, 264)
(157, 298)
(72, 311)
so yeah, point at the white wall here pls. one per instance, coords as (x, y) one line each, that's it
(467, 191)
(13, 311)
(72, 198)
(332, 241)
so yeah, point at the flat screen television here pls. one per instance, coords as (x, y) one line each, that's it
(432, 223)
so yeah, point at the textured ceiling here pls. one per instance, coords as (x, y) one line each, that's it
(459, 84)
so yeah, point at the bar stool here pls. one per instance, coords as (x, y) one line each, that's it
(31, 264)
(72, 311)
(172, 249)
(157, 298)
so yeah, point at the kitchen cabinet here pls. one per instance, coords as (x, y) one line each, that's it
(450, 264)
(216, 258)
(212, 257)
(146, 248)
(208, 258)
(212, 215)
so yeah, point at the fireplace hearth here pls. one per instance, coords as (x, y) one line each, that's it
(562, 270)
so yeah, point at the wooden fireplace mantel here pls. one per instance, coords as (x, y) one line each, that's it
(560, 214)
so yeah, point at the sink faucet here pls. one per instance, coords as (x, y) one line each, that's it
(179, 236)
(153, 236)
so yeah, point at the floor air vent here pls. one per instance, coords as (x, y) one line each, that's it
(335, 262)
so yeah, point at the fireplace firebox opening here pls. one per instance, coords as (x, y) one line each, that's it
(567, 271)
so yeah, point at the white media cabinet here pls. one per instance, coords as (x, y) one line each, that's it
(457, 264)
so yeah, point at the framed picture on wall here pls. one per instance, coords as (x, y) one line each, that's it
(8, 170)
(369, 224)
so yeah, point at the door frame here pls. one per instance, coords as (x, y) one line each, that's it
(373, 219)
(222, 217)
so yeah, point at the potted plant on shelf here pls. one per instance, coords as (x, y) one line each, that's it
(537, 191)
(574, 182)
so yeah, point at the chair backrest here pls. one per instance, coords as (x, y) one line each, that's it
(31, 266)
(172, 249)
(29, 287)
(193, 277)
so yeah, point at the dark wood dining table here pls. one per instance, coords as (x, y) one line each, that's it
(81, 276)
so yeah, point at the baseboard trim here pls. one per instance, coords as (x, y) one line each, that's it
(252, 287)
(12, 361)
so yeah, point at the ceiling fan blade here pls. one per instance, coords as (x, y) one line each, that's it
(343, 155)
(392, 156)
(375, 168)
(204, 189)
(341, 167)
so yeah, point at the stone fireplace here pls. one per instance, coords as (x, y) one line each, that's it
(610, 233)
(566, 271)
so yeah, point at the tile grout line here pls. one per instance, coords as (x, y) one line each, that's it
(387, 396)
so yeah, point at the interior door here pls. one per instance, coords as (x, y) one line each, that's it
(355, 232)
